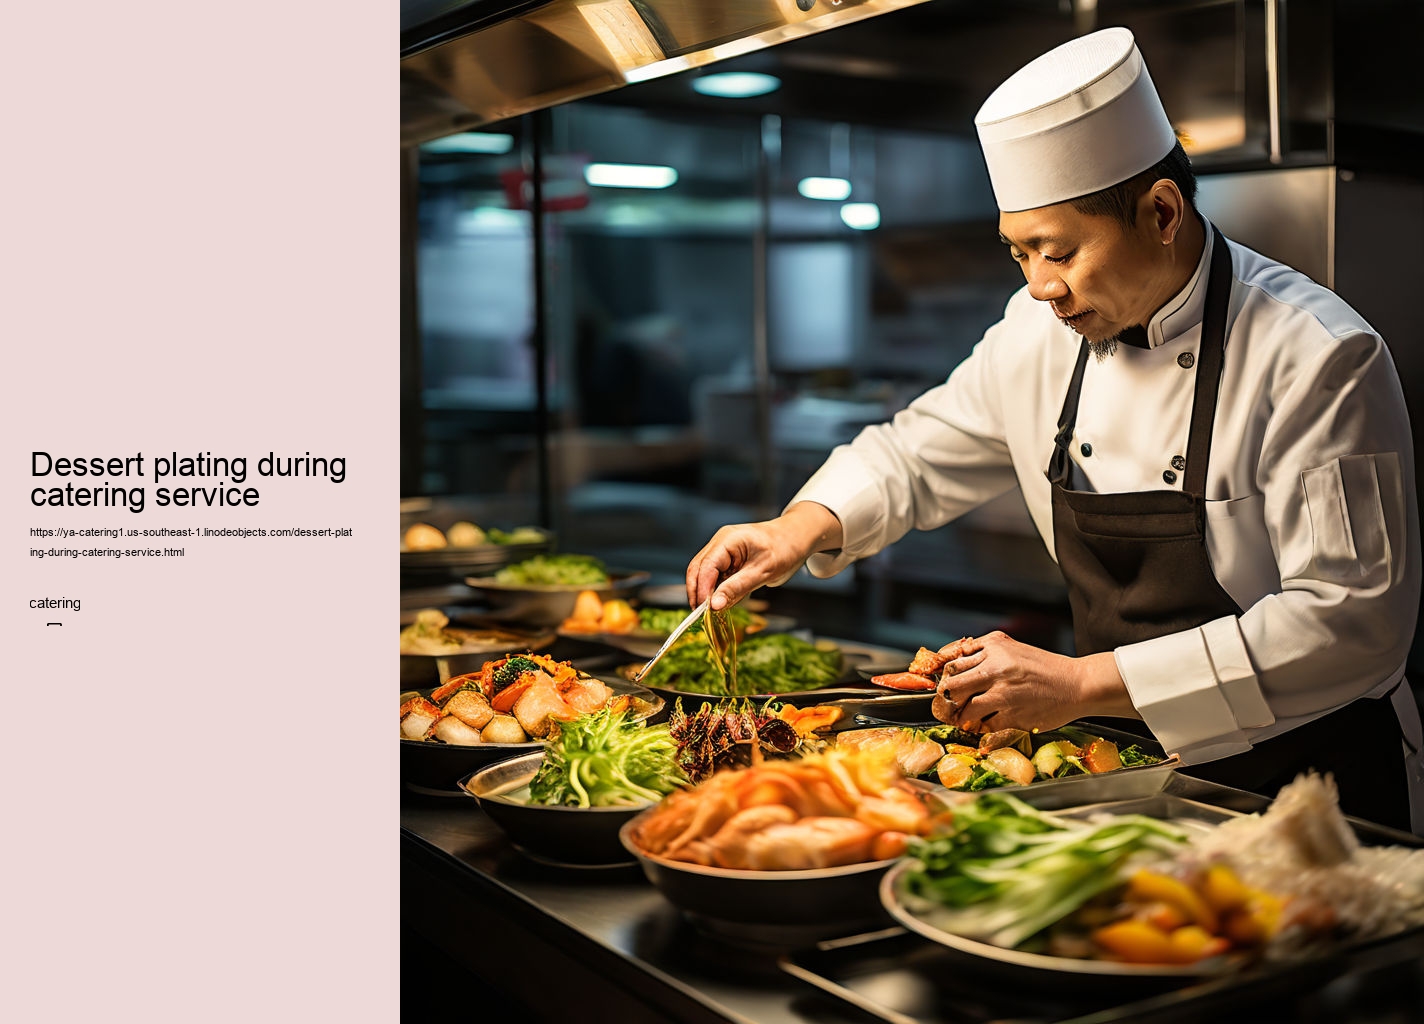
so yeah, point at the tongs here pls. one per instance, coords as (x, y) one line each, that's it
(682, 627)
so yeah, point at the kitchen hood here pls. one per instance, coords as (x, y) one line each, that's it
(471, 64)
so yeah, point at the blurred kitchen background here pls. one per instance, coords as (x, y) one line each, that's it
(659, 258)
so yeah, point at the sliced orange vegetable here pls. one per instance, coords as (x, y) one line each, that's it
(1222, 889)
(1137, 942)
(487, 671)
(454, 685)
(505, 699)
(1164, 916)
(1102, 756)
(1152, 886)
(1257, 921)
(1193, 942)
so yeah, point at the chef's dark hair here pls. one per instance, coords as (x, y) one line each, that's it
(1120, 201)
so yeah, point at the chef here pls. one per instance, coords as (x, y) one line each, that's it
(1214, 448)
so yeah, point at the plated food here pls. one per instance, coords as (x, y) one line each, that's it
(567, 803)
(823, 810)
(1006, 757)
(1111, 891)
(424, 537)
(511, 705)
(592, 615)
(734, 733)
(782, 852)
(432, 636)
(543, 590)
(766, 663)
(509, 700)
(554, 571)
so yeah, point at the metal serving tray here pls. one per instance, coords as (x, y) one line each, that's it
(896, 975)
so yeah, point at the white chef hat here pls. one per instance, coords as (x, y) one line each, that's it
(1081, 118)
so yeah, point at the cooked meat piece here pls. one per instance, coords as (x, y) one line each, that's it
(584, 695)
(538, 704)
(810, 843)
(927, 662)
(417, 715)
(470, 707)
(451, 730)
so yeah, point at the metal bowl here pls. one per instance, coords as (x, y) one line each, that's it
(552, 604)
(770, 908)
(776, 909)
(435, 768)
(564, 836)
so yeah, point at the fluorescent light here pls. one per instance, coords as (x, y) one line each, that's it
(861, 216)
(736, 84)
(629, 175)
(494, 220)
(471, 142)
(834, 189)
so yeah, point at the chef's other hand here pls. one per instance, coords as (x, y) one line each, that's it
(995, 682)
(738, 559)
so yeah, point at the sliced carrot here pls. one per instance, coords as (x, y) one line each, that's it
(454, 685)
(487, 671)
(1137, 942)
(505, 699)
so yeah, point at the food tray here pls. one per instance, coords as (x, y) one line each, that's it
(432, 768)
(896, 975)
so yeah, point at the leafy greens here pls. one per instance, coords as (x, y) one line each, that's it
(607, 759)
(765, 663)
(1007, 871)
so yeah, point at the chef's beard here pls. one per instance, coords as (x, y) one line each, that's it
(1136, 336)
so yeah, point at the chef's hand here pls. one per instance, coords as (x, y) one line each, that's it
(995, 682)
(752, 555)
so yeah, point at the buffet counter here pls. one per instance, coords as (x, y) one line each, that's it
(603, 945)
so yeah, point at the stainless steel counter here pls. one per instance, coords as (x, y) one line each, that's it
(601, 942)
(602, 945)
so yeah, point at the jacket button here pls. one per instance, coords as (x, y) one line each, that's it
(1185, 360)
(1086, 449)
(1169, 476)
(1178, 463)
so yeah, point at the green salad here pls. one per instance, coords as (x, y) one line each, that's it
(554, 570)
(765, 663)
(606, 759)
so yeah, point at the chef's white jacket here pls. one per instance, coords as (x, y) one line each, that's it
(1312, 524)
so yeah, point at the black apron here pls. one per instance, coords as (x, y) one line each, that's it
(1136, 566)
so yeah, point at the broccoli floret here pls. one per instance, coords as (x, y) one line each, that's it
(510, 671)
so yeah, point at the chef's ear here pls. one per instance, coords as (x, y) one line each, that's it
(1167, 209)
